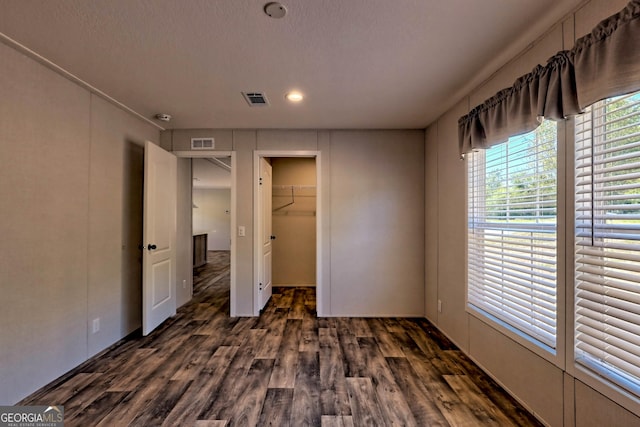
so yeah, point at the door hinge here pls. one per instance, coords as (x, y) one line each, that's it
(260, 286)
(260, 181)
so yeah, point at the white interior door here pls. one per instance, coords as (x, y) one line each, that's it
(159, 234)
(264, 233)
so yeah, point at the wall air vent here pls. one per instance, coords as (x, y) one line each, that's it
(202, 144)
(256, 99)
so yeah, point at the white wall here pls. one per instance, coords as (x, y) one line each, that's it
(213, 217)
(549, 386)
(372, 207)
(70, 191)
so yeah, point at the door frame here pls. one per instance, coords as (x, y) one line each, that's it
(257, 154)
(208, 154)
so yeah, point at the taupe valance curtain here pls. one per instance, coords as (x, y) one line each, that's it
(602, 64)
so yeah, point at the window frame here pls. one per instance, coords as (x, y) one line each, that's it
(557, 356)
(589, 377)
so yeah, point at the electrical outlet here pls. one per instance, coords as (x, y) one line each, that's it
(439, 306)
(241, 231)
(184, 284)
(96, 325)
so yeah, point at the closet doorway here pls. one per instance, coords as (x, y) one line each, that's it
(287, 220)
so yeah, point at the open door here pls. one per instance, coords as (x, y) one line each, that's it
(264, 233)
(159, 234)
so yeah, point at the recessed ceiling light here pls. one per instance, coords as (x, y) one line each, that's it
(294, 96)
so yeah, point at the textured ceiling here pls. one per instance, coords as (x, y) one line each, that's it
(360, 63)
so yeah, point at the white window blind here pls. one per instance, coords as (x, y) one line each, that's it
(512, 210)
(607, 262)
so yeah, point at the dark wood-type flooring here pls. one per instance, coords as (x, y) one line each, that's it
(285, 368)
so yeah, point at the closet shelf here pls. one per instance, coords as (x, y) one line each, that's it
(286, 199)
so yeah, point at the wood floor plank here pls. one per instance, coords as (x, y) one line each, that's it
(388, 345)
(353, 362)
(220, 322)
(489, 388)
(96, 410)
(87, 395)
(334, 397)
(364, 405)
(143, 363)
(360, 327)
(204, 311)
(484, 410)
(152, 386)
(445, 399)
(273, 337)
(193, 364)
(284, 371)
(424, 409)
(238, 334)
(210, 423)
(66, 390)
(201, 390)
(162, 405)
(286, 300)
(420, 337)
(231, 385)
(393, 325)
(298, 308)
(438, 356)
(395, 409)
(327, 322)
(276, 410)
(309, 334)
(305, 410)
(249, 401)
(337, 421)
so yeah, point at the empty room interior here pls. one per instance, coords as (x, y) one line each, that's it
(336, 213)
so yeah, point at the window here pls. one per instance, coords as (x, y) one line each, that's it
(512, 210)
(607, 240)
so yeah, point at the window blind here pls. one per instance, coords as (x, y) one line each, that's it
(607, 262)
(512, 210)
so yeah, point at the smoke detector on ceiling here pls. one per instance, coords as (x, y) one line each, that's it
(275, 10)
(163, 117)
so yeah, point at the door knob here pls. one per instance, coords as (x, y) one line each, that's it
(273, 237)
(151, 247)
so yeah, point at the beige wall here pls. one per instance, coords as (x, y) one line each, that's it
(377, 223)
(550, 386)
(372, 209)
(70, 191)
(213, 216)
(294, 225)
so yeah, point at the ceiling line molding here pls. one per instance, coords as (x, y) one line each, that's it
(72, 77)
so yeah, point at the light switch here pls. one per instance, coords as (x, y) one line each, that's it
(241, 231)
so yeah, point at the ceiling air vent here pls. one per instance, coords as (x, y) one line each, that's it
(256, 99)
(202, 144)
